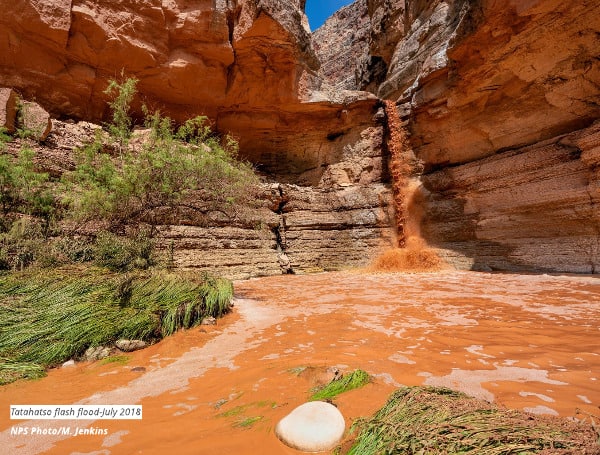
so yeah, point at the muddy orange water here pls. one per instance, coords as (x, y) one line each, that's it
(529, 342)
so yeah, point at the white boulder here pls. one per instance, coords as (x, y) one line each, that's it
(312, 427)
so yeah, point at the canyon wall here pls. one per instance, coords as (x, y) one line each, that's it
(500, 100)
(249, 65)
(343, 221)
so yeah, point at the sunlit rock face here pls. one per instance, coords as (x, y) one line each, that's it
(341, 43)
(248, 65)
(189, 56)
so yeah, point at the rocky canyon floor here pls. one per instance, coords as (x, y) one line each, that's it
(529, 342)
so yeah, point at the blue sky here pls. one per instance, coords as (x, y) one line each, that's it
(319, 10)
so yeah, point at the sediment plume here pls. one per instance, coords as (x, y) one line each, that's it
(412, 253)
(414, 257)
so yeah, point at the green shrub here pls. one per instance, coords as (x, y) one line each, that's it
(4, 138)
(23, 189)
(21, 245)
(170, 166)
(122, 254)
(123, 94)
(74, 249)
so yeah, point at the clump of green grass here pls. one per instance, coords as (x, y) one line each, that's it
(47, 318)
(244, 420)
(238, 410)
(118, 359)
(234, 411)
(247, 422)
(427, 420)
(10, 371)
(354, 380)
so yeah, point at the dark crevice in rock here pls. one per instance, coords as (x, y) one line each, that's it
(279, 231)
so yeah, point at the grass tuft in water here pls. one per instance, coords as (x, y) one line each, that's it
(10, 371)
(48, 318)
(354, 380)
(248, 422)
(118, 359)
(436, 421)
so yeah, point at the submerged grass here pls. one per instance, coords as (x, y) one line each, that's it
(248, 422)
(118, 359)
(428, 420)
(354, 380)
(47, 318)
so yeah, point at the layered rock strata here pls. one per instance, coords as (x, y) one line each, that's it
(533, 208)
(478, 77)
(306, 230)
(343, 221)
(499, 99)
(340, 43)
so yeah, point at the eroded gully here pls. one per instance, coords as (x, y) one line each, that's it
(528, 342)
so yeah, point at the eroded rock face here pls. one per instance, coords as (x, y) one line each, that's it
(533, 208)
(190, 56)
(498, 98)
(317, 229)
(341, 43)
(247, 64)
(478, 77)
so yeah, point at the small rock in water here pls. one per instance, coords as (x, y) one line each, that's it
(130, 345)
(138, 369)
(209, 321)
(69, 363)
(97, 353)
(312, 427)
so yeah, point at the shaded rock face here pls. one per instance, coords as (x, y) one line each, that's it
(533, 208)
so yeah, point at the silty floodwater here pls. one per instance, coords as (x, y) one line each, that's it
(530, 342)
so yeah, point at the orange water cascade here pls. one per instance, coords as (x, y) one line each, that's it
(412, 252)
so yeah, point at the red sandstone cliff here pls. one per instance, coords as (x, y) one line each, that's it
(500, 100)
(249, 65)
